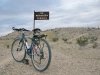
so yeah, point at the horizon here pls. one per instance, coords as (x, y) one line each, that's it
(55, 28)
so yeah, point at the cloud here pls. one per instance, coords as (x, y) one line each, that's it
(78, 12)
(63, 13)
(15, 19)
(26, 6)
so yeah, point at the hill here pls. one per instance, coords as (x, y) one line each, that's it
(68, 56)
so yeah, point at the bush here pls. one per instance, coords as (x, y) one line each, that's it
(95, 45)
(82, 41)
(55, 39)
(64, 39)
(93, 39)
(7, 46)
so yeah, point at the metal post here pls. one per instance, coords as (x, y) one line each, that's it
(34, 22)
(34, 25)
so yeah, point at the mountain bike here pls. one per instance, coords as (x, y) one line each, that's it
(39, 50)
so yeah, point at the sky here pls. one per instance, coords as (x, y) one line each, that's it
(63, 13)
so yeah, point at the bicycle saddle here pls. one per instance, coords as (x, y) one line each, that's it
(37, 30)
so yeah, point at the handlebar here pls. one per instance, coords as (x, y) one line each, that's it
(20, 29)
(37, 30)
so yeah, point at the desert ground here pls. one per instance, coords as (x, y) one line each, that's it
(68, 57)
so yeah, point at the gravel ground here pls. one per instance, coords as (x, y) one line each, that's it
(64, 62)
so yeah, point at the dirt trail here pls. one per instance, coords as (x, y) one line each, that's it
(61, 64)
(6, 61)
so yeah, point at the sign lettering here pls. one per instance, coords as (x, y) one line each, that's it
(41, 15)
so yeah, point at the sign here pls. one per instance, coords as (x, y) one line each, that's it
(41, 15)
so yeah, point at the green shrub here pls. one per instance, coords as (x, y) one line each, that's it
(93, 39)
(95, 45)
(7, 46)
(65, 39)
(82, 41)
(55, 39)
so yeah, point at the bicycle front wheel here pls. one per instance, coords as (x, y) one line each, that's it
(41, 55)
(18, 50)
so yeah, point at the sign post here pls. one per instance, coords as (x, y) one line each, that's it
(42, 15)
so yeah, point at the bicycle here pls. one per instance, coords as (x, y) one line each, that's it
(39, 50)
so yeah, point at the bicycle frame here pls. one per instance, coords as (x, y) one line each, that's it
(24, 40)
(25, 43)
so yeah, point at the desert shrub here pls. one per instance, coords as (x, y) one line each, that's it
(55, 39)
(93, 38)
(65, 39)
(69, 42)
(95, 45)
(7, 46)
(82, 41)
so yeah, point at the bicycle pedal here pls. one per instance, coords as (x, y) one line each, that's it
(26, 61)
(43, 58)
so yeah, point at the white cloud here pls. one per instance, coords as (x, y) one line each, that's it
(20, 16)
(63, 13)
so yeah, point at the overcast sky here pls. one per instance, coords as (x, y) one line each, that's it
(63, 13)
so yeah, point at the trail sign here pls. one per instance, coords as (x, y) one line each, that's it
(41, 15)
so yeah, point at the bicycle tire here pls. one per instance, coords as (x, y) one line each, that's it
(12, 49)
(49, 57)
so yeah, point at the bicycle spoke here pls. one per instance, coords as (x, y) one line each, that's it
(18, 50)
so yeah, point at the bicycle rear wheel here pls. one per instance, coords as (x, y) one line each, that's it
(41, 55)
(18, 50)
